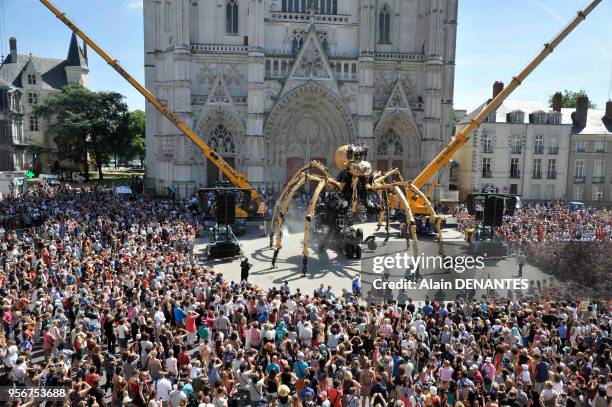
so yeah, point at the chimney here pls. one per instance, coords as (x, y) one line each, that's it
(609, 110)
(498, 86)
(13, 46)
(557, 101)
(579, 117)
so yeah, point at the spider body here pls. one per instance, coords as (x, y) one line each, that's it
(350, 193)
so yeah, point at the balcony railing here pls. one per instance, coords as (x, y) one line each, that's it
(346, 76)
(219, 49)
(516, 150)
(536, 175)
(486, 174)
(580, 149)
(553, 150)
(579, 179)
(551, 175)
(280, 74)
(305, 18)
(598, 180)
(539, 150)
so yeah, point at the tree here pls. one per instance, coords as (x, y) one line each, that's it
(70, 125)
(569, 99)
(134, 143)
(86, 125)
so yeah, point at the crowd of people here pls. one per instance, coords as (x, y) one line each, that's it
(107, 300)
(558, 238)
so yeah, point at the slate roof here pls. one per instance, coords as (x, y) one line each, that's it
(596, 121)
(51, 69)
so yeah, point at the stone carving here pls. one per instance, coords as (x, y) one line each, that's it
(221, 140)
(165, 148)
(219, 93)
(311, 65)
(390, 144)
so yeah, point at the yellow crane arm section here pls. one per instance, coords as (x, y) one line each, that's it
(462, 136)
(232, 175)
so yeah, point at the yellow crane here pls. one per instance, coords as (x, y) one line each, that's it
(236, 178)
(417, 204)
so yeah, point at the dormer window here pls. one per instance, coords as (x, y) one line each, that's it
(554, 118)
(515, 117)
(537, 118)
(490, 118)
(31, 79)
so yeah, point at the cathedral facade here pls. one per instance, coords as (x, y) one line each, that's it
(273, 84)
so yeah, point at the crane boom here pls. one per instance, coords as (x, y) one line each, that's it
(232, 175)
(462, 136)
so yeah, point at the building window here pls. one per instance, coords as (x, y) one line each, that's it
(537, 168)
(539, 144)
(328, 6)
(33, 123)
(297, 39)
(597, 192)
(553, 145)
(551, 169)
(580, 146)
(490, 118)
(600, 146)
(554, 118)
(515, 144)
(514, 189)
(537, 118)
(515, 172)
(486, 167)
(487, 143)
(535, 191)
(384, 26)
(579, 171)
(550, 192)
(598, 171)
(32, 98)
(221, 140)
(231, 17)
(578, 192)
(294, 6)
(31, 79)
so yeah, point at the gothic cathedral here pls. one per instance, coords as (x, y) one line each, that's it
(272, 84)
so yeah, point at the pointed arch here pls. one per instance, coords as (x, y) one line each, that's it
(224, 133)
(231, 16)
(384, 25)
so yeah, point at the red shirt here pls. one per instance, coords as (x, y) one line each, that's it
(190, 325)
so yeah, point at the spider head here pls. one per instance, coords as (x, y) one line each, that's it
(350, 154)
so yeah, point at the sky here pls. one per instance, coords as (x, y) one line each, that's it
(495, 40)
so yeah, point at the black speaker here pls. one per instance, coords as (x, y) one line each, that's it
(493, 211)
(471, 207)
(510, 206)
(225, 207)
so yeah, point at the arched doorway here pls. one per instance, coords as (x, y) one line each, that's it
(390, 152)
(309, 123)
(222, 141)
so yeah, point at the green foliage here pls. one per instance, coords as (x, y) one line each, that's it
(87, 125)
(134, 144)
(569, 99)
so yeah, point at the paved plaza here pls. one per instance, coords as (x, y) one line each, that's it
(332, 268)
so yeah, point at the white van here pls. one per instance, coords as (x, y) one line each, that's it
(49, 179)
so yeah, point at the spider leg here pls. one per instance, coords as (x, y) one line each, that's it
(282, 197)
(436, 220)
(387, 215)
(309, 216)
(281, 216)
(381, 209)
(409, 218)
